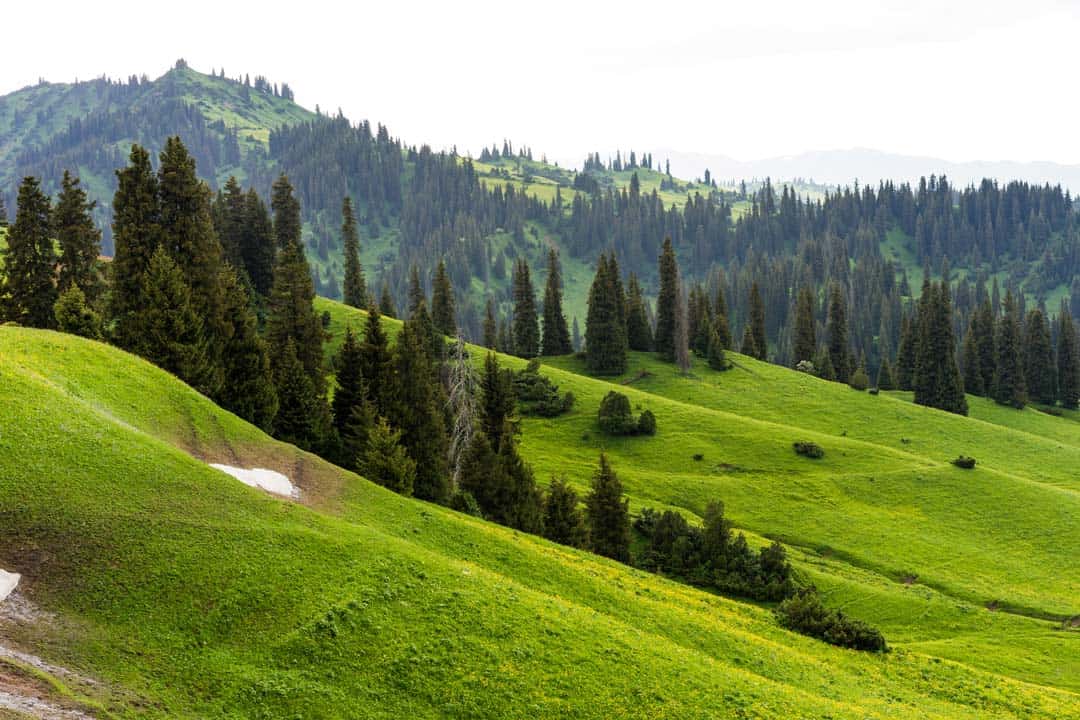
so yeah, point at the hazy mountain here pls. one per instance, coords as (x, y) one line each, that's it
(842, 167)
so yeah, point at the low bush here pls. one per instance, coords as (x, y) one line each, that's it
(537, 395)
(616, 418)
(964, 462)
(805, 614)
(859, 380)
(809, 449)
(698, 457)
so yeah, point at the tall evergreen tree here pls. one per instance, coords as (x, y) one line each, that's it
(350, 396)
(386, 462)
(257, 248)
(526, 327)
(355, 291)
(605, 330)
(376, 363)
(418, 410)
(286, 208)
(563, 520)
(136, 236)
(937, 380)
(720, 314)
(29, 260)
(983, 319)
(608, 514)
(248, 387)
(298, 402)
(905, 355)
(79, 239)
(417, 296)
(491, 325)
(973, 382)
(754, 342)
(667, 303)
(556, 335)
(805, 343)
(229, 210)
(638, 332)
(443, 313)
(1068, 361)
(386, 302)
(1040, 374)
(1009, 386)
(497, 401)
(885, 379)
(837, 331)
(171, 327)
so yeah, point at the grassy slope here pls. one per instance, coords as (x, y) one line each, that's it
(887, 528)
(193, 596)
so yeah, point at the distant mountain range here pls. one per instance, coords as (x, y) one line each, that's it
(843, 167)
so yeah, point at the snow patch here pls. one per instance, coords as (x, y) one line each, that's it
(8, 581)
(268, 480)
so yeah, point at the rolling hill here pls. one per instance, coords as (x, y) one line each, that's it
(182, 593)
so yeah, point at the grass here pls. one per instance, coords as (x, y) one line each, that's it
(190, 595)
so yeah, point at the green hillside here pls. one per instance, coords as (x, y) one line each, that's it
(186, 594)
(974, 566)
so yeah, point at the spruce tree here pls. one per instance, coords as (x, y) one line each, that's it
(937, 381)
(1009, 386)
(720, 314)
(257, 248)
(973, 382)
(136, 236)
(805, 342)
(349, 398)
(524, 503)
(491, 326)
(905, 355)
(837, 331)
(526, 328)
(1040, 375)
(443, 313)
(286, 208)
(386, 462)
(716, 358)
(171, 327)
(79, 240)
(417, 296)
(483, 476)
(497, 401)
(29, 260)
(248, 387)
(754, 342)
(229, 211)
(608, 514)
(556, 334)
(295, 421)
(75, 316)
(885, 379)
(1068, 361)
(563, 519)
(376, 366)
(355, 291)
(984, 346)
(638, 332)
(667, 303)
(417, 410)
(386, 302)
(605, 331)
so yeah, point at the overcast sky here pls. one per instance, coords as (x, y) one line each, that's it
(961, 80)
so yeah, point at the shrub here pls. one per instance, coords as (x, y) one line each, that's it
(647, 423)
(964, 462)
(805, 366)
(464, 502)
(698, 457)
(859, 380)
(809, 449)
(74, 315)
(537, 395)
(805, 614)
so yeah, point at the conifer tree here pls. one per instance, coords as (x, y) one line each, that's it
(1040, 375)
(257, 248)
(754, 342)
(386, 302)
(355, 290)
(608, 514)
(79, 240)
(556, 334)
(136, 235)
(418, 410)
(805, 342)
(1068, 361)
(75, 316)
(497, 401)
(386, 462)
(575, 335)
(349, 398)
(29, 260)
(837, 331)
(563, 520)
(937, 380)
(295, 421)
(638, 332)
(248, 387)
(491, 326)
(286, 208)
(443, 314)
(417, 296)
(483, 476)
(526, 328)
(171, 327)
(682, 339)
(667, 303)
(905, 355)
(973, 382)
(984, 346)
(885, 380)
(229, 221)
(716, 358)
(720, 314)
(1009, 386)
(605, 331)
(376, 366)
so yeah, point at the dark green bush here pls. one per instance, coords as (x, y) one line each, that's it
(810, 450)
(647, 423)
(964, 462)
(698, 457)
(537, 395)
(805, 614)
(464, 502)
(616, 418)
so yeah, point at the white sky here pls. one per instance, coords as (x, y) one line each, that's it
(958, 80)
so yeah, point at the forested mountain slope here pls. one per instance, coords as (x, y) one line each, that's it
(183, 593)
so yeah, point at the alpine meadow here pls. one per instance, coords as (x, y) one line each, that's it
(303, 419)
